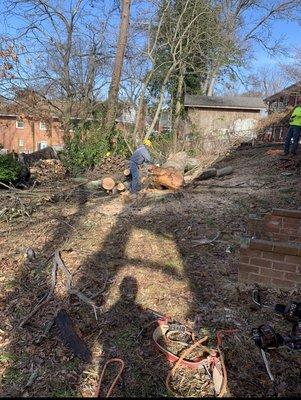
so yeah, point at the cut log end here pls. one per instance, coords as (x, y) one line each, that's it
(120, 187)
(127, 172)
(108, 183)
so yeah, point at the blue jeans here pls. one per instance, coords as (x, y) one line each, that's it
(135, 177)
(293, 133)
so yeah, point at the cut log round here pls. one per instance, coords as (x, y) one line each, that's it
(120, 187)
(108, 183)
(127, 172)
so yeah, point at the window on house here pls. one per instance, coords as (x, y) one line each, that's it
(20, 124)
(43, 126)
(42, 145)
(21, 143)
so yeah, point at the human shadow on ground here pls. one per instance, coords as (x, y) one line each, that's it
(128, 338)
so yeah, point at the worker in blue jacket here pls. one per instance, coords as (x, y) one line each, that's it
(140, 156)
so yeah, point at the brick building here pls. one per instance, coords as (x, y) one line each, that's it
(26, 136)
(278, 103)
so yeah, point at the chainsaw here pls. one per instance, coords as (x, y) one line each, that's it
(265, 336)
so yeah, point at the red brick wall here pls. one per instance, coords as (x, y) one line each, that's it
(273, 257)
(276, 264)
(280, 225)
(10, 135)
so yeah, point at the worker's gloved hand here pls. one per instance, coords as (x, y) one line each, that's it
(151, 168)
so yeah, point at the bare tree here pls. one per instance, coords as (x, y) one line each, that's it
(183, 35)
(249, 22)
(265, 81)
(62, 55)
(292, 69)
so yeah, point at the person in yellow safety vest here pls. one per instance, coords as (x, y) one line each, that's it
(294, 130)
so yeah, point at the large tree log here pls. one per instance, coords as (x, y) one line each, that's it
(169, 178)
(209, 173)
(224, 171)
(177, 161)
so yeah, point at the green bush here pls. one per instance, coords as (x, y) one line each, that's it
(88, 146)
(9, 168)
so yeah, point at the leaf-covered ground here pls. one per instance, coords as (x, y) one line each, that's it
(139, 256)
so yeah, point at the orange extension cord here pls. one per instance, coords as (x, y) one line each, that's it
(112, 360)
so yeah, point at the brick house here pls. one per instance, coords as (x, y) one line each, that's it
(26, 136)
(279, 102)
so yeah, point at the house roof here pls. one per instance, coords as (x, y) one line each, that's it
(240, 102)
(292, 89)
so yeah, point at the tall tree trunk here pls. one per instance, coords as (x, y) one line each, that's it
(141, 120)
(33, 135)
(160, 103)
(141, 106)
(211, 85)
(180, 91)
(116, 75)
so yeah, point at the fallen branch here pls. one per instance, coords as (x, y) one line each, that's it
(32, 378)
(199, 242)
(59, 264)
(45, 298)
(47, 329)
(69, 288)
